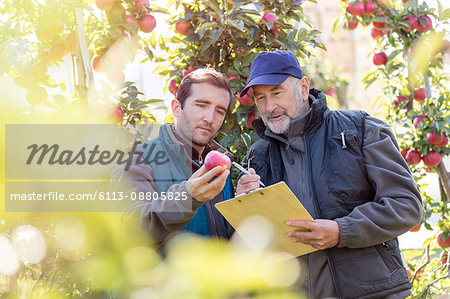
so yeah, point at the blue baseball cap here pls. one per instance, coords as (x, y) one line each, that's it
(273, 68)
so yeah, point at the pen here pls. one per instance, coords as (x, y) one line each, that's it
(238, 166)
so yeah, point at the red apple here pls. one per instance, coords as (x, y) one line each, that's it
(413, 22)
(147, 23)
(96, 63)
(418, 119)
(184, 27)
(443, 243)
(404, 1)
(250, 92)
(356, 10)
(399, 100)
(380, 58)
(352, 24)
(116, 115)
(375, 33)
(379, 25)
(245, 100)
(189, 70)
(104, 4)
(141, 5)
(173, 87)
(443, 143)
(233, 76)
(404, 152)
(250, 117)
(130, 21)
(215, 158)
(444, 257)
(415, 228)
(419, 94)
(432, 159)
(434, 139)
(424, 24)
(276, 32)
(369, 8)
(269, 17)
(413, 157)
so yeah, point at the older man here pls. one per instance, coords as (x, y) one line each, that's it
(346, 169)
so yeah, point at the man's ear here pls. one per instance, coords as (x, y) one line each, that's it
(176, 108)
(304, 85)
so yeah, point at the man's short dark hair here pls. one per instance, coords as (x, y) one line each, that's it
(203, 75)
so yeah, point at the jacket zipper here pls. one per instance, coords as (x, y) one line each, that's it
(319, 214)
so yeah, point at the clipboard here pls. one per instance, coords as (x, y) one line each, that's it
(276, 203)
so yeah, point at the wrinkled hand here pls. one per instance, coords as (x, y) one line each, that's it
(320, 234)
(199, 186)
(248, 182)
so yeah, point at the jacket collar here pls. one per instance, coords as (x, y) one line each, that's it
(301, 125)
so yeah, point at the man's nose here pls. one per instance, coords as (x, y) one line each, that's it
(209, 116)
(271, 105)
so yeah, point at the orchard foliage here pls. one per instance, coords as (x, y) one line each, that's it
(227, 35)
(409, 55)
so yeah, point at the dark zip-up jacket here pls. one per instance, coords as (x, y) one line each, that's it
(346, 166)
(163, 217)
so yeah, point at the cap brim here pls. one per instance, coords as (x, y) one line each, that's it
(269, 79)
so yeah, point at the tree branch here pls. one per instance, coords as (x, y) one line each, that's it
(444, 176)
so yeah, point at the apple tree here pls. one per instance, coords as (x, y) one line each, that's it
(101, 35)
(227, 35)
(409, 62)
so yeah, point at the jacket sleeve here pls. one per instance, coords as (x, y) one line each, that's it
(397, 206)
(162, 218)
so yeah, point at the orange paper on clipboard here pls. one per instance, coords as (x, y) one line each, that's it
(277, 204)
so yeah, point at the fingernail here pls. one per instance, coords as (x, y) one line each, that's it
(288, 222)
(289, 234)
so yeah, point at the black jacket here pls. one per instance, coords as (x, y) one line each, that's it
(370, 209)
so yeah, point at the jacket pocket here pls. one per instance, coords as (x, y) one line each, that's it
(345, 169)
(362, 272)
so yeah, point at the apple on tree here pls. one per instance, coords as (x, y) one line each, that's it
(352, 23)
(404, 152)
(141, 5)
(269, 17)
(375, 32)
(424, 24)
(184, 27)
(117, 115)
(216, 158)
(413, 22)
(435, 139)
(356, 9)
(415, 228)
(432, 159)
(443, 143)
(441, 242)
(147, 23)
(379, 25)
(189, 70)
(369, 8)
(380, 58)
(413, 157)
(418, 119)
(443, 257)
(420, 95)
(173, 87)
(129, 20)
